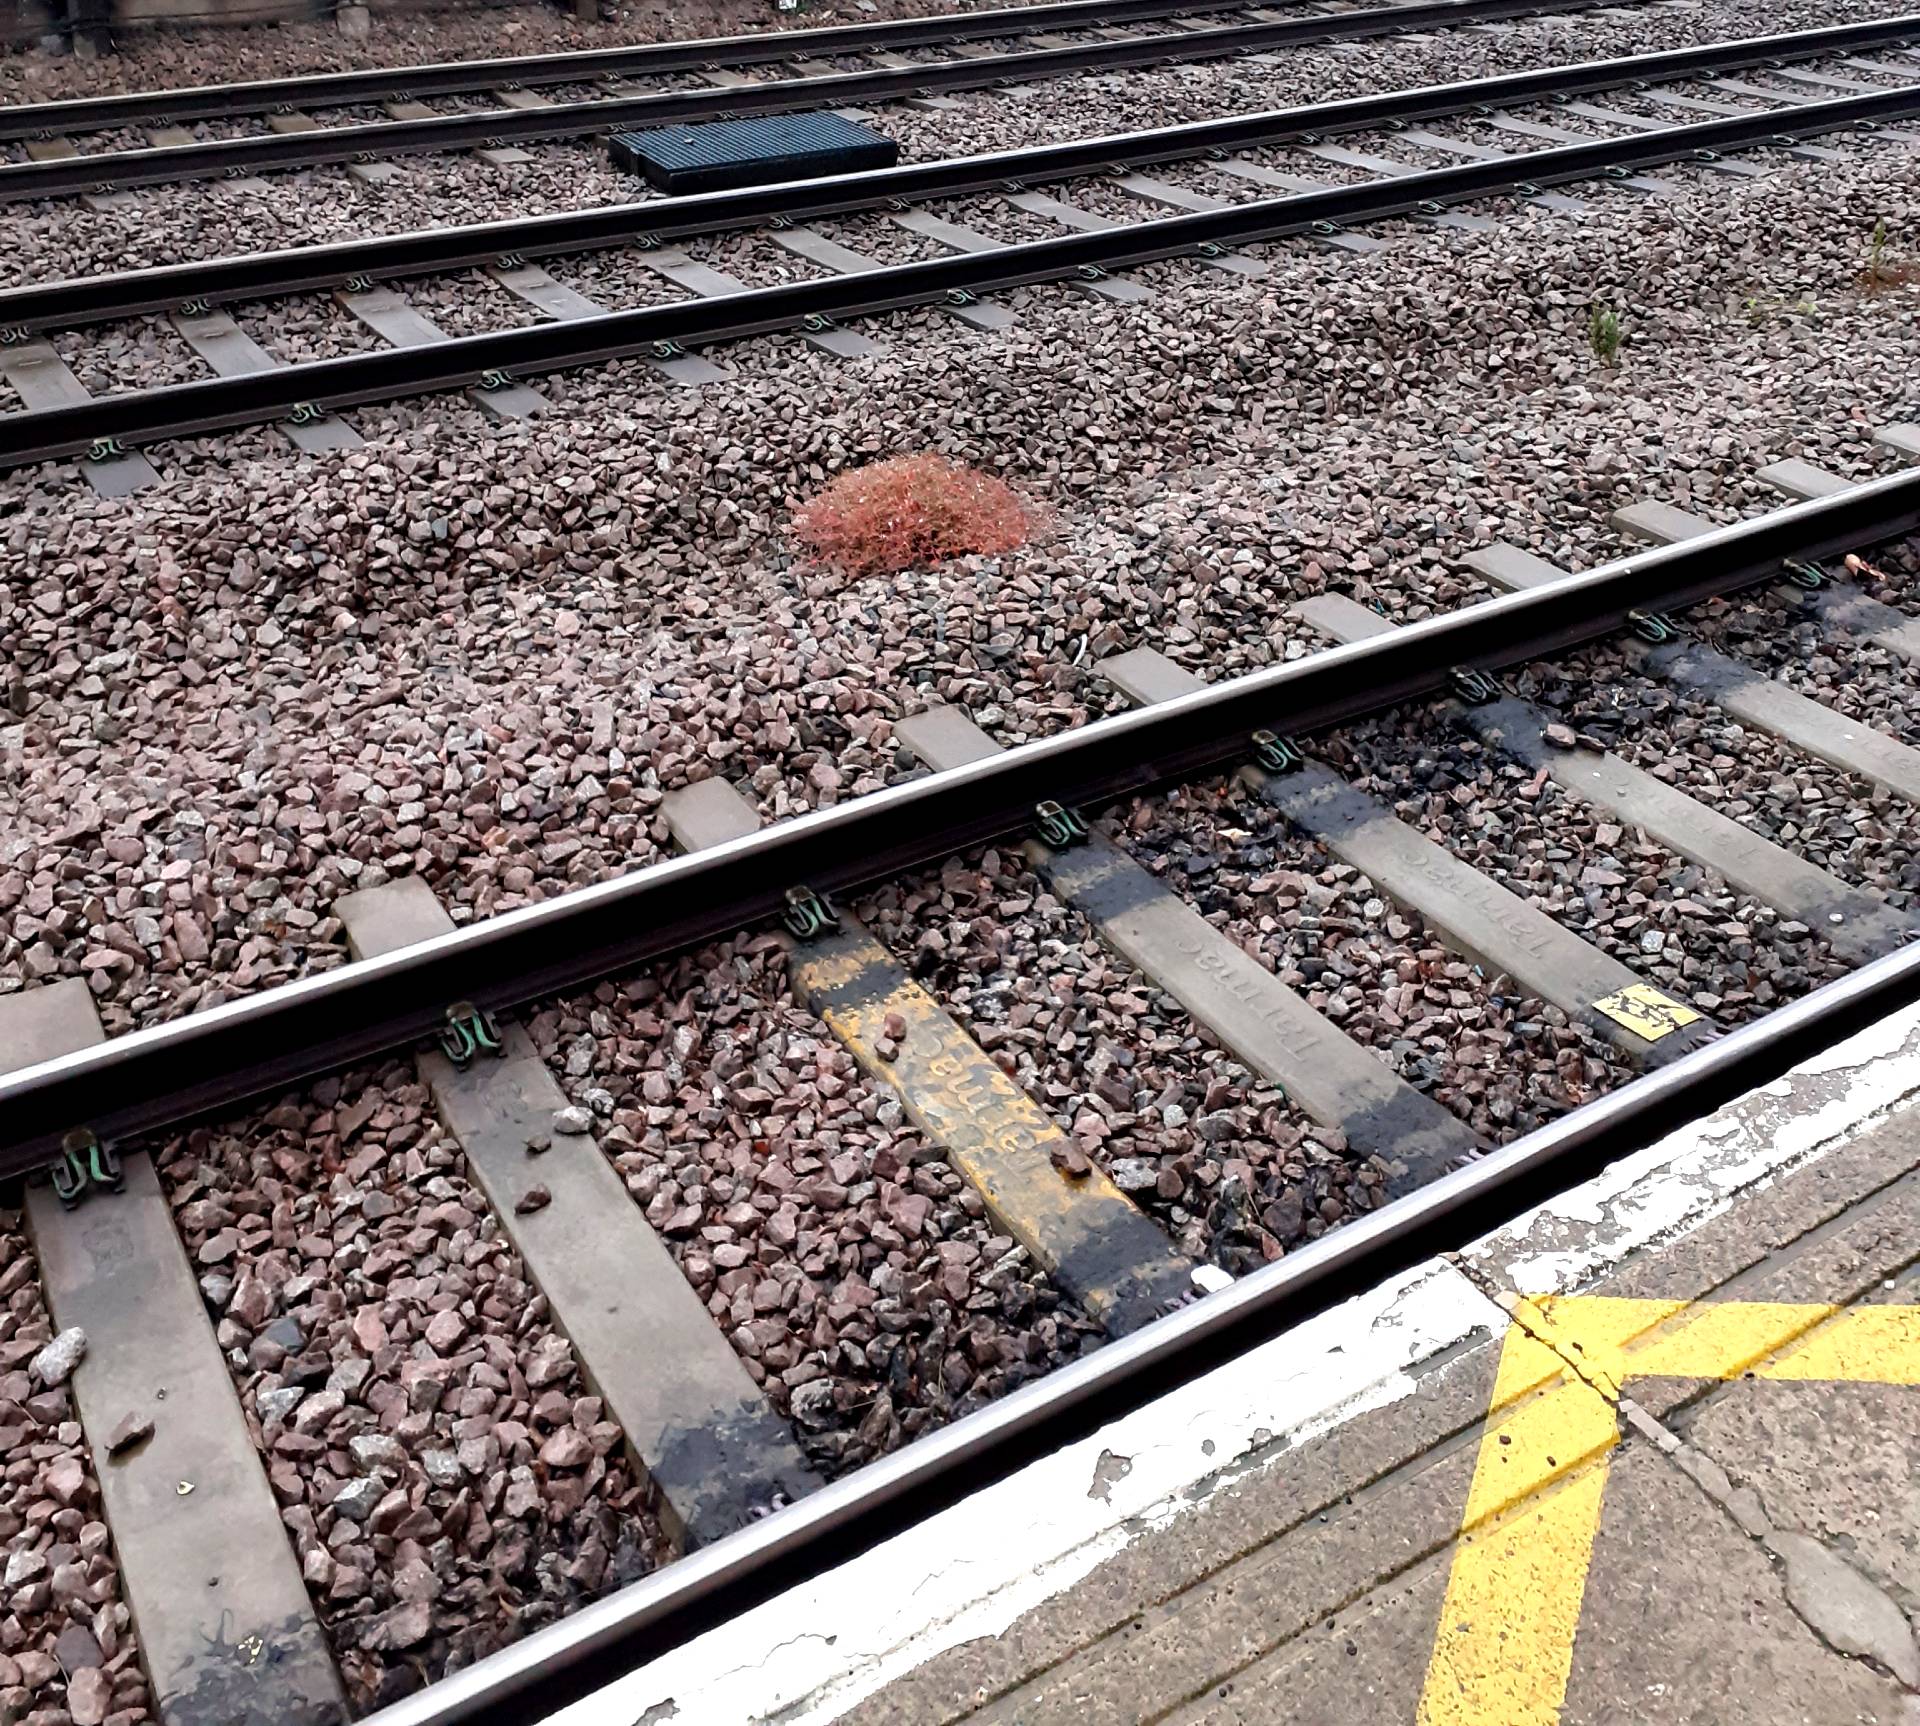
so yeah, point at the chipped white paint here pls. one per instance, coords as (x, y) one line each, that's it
(974, 1569)
(1697, 1172)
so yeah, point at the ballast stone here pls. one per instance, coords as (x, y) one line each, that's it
(55, 1363)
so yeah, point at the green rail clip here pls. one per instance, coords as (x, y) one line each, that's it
(1276, 754)
(469, 1032)
(83, 1165)
(1059, 827)
(808, 915)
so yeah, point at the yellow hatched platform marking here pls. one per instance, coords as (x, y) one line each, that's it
(1504, 1647)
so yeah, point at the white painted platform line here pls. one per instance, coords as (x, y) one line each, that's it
(886, 1614)
(818, 1649)
(1673, 1187)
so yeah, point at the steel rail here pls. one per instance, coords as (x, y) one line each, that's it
(107, 171)
(219, 281)
(220, 1057)
(458, 77)
(216, 404)
(567, 1662)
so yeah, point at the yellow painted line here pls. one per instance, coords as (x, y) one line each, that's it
(1505, 1642)
(1866, 1345)
(1504, 1645)
(1083, 1231)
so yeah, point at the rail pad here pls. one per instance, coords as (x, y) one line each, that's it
(727, 153)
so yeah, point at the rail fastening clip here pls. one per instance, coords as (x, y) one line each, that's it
(1059, 827)
(469, 1031)
(84, 1163)
(1276, 754)
(808, 915)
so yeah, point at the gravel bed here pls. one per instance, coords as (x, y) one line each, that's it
(473, 304)
(313, 327)
(1501, 1060)
(827, 63)
(1838, 820)
(1661, 916)
(168, 58)
(677, 83)
(308, 206)
(852, 1269)
(618, 280)
(67, 1647)
(881, 238)
(1515, 143)
(760, 261)
(43, 241)
(1865, 682)
(1303, 166)
(754, 259)
(264, 680)
(446, 1480)
(1007, 223)
(128, 356)
(1234, 1172)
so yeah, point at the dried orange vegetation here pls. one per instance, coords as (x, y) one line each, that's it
(910, 512)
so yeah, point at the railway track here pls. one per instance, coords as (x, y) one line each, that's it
(298, 140)
(683, 1372)
(702, 1434)
(587, 66)
(1821, 84)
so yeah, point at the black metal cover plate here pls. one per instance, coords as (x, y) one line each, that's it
(728, 153)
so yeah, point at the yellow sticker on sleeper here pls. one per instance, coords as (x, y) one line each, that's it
(1645, 1011)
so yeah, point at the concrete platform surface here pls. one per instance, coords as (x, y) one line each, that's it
(1650, 1453)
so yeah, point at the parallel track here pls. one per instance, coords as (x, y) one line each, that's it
(117, 423)
(259, 275)
(117, 170)
(534, 71)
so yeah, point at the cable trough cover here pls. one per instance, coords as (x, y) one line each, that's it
(727, 153)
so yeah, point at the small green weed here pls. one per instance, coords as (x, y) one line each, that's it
(1761, 309)
(1879, 273)
(1604, 334)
